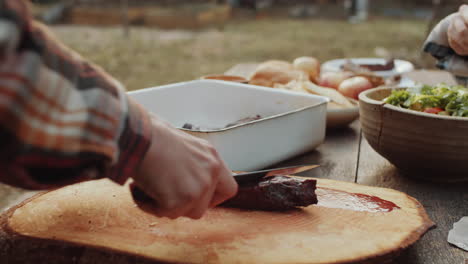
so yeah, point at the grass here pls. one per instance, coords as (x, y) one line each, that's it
(153, 57)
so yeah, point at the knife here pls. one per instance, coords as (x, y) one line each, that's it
(143, 200)
(244, 177)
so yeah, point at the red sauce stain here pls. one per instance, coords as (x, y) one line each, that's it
(332, 198)
(222, 226)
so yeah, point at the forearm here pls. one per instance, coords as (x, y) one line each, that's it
(63, 119)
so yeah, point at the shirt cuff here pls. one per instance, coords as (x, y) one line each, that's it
(133, 143)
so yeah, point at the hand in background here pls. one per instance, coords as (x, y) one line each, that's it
(183, 174)
(458, 31)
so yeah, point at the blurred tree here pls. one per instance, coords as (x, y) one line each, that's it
(358, 10)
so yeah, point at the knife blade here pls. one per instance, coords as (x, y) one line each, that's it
(245, 177)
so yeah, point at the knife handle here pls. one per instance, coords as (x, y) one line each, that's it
(142, 200)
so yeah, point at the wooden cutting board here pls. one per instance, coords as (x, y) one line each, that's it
(351, 223)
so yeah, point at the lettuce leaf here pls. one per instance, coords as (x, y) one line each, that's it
(453, 99)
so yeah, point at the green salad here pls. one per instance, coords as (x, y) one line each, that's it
(441, 99)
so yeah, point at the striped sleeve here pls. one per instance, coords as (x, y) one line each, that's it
(62, 119)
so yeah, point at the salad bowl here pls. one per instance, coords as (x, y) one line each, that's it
(430, 146)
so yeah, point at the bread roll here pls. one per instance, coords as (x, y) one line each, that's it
(276, 72)
(333, 94)
(310, 65)
(280, 64)
(292, 86)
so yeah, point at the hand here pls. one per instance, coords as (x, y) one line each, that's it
(458, 31)
(183, 174)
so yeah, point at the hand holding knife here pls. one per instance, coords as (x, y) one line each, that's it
(241, 178)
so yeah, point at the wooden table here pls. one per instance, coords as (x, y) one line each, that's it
(346, 155)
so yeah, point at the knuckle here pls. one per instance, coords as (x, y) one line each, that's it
(190, 195)
(214, 165)
(205, 183)
(213, 150)
(204, 142)
(215, 154)
(197, 189)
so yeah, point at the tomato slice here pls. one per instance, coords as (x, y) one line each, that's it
(433, 110)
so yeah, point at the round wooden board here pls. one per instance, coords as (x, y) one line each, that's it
(101, 215)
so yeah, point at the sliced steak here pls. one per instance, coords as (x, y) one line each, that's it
(275, 193)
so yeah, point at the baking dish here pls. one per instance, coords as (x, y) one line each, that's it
(290, 124)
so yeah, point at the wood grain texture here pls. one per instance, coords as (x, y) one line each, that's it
(445, 204)
(365, 223)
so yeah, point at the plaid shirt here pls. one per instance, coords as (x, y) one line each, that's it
(62, 119)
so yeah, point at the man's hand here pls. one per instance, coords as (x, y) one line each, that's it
(458, 31)
(183, 174)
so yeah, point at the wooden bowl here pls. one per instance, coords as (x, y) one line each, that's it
(421, 145)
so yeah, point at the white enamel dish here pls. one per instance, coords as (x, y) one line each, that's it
(291, 123)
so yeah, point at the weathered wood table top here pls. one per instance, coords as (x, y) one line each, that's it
(346, 155)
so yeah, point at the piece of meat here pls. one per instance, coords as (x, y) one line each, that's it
(275, 193)
(389, 65)
(362, 68)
